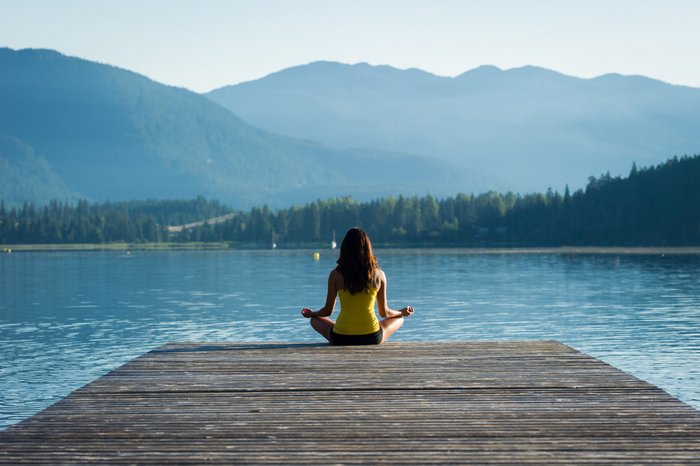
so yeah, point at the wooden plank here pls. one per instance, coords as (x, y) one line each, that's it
(421, 403)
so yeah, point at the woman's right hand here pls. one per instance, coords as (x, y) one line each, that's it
(306, 312)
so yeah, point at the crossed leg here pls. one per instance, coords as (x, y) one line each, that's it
(389, 326)
(323, 325)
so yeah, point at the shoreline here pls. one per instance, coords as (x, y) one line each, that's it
(565, 250)
(111, 247)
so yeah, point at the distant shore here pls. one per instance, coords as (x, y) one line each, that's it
(611, 250)
(573, 250)
(112, 247)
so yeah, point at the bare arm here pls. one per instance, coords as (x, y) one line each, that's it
(384, 309)
(331, 294)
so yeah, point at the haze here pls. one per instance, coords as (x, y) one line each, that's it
(202, 45)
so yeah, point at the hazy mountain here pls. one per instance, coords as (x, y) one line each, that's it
(40, 183)
(530, 126)
(111, 134)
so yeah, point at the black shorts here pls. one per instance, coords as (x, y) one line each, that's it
(367, 339)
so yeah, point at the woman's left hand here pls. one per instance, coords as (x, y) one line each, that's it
(407, 311)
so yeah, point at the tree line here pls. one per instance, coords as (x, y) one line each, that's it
(82, 222)
(658, 205)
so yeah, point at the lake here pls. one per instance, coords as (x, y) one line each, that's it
(67, 318)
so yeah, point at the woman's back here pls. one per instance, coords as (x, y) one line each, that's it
(357, 315)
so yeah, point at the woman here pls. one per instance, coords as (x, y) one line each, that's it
(358, 282)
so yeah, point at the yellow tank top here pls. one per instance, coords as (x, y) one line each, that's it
(357, 315)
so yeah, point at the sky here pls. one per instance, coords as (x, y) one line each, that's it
(205, 44)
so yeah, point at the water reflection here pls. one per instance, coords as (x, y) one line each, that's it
(67, 318)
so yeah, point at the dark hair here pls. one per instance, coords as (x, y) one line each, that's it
(356, 263)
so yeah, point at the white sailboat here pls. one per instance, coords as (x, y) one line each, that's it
(333, 243)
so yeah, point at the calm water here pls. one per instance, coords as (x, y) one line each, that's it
(67, 318)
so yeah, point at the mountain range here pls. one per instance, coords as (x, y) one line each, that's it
(528, 127)
(74, 128)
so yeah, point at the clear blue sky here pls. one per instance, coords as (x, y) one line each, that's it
(204, 44)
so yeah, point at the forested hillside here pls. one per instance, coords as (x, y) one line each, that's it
(40, 183)
(111, 134)
(653, 206)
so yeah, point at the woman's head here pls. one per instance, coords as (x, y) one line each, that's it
(356, 263)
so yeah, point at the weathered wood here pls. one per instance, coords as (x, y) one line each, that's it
(480, 402)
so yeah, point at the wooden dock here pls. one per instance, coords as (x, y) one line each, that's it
(481, 402)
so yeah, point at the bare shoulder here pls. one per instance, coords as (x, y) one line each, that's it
(379, 277)
(336, 277)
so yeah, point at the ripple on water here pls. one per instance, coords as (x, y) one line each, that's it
(640, 315)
